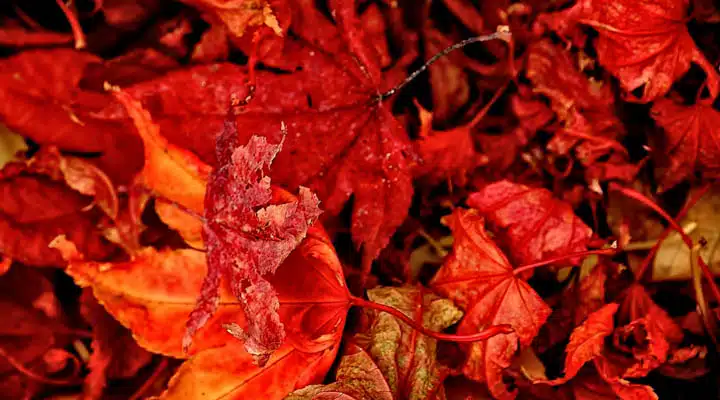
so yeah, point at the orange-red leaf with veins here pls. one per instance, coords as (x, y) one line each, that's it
(644, 43)
(168, 171)
(153, 294)
(690, 143)
(530, 223)
(480, 279)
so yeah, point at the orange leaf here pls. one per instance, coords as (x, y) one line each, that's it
(169, 171)
(153, 293)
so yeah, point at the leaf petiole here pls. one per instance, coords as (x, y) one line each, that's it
(483, 335)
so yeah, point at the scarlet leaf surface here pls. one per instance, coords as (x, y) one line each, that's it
(153, 294)
(479, 278)
(587, 340)
(341, 140)
(44, 86)
(691, 141)
(643, 43)
(530, 222)
(42, 198)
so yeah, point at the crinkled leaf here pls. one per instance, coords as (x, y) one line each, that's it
(586, 108)
(587, 341)
(646, 342)
(357, 378)
(480, 279)
(406, 358)
(247, 239)
(30, 332)
(531, 224)
(638, 304)
(39, 203)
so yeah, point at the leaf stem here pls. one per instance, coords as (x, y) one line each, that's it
(633, 194)
(500, 34)
(74, 24)
(482, 335)
(34, 376)
(601, 252)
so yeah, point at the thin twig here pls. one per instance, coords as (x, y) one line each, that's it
(484, 38)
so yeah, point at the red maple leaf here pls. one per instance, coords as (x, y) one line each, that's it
(641, 42)
(44, 86)
(46, 196)
(342, 139)
(480, 279)
(691, 141)
(530, 222)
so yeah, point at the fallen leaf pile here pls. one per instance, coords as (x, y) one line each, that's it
(360, 200)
